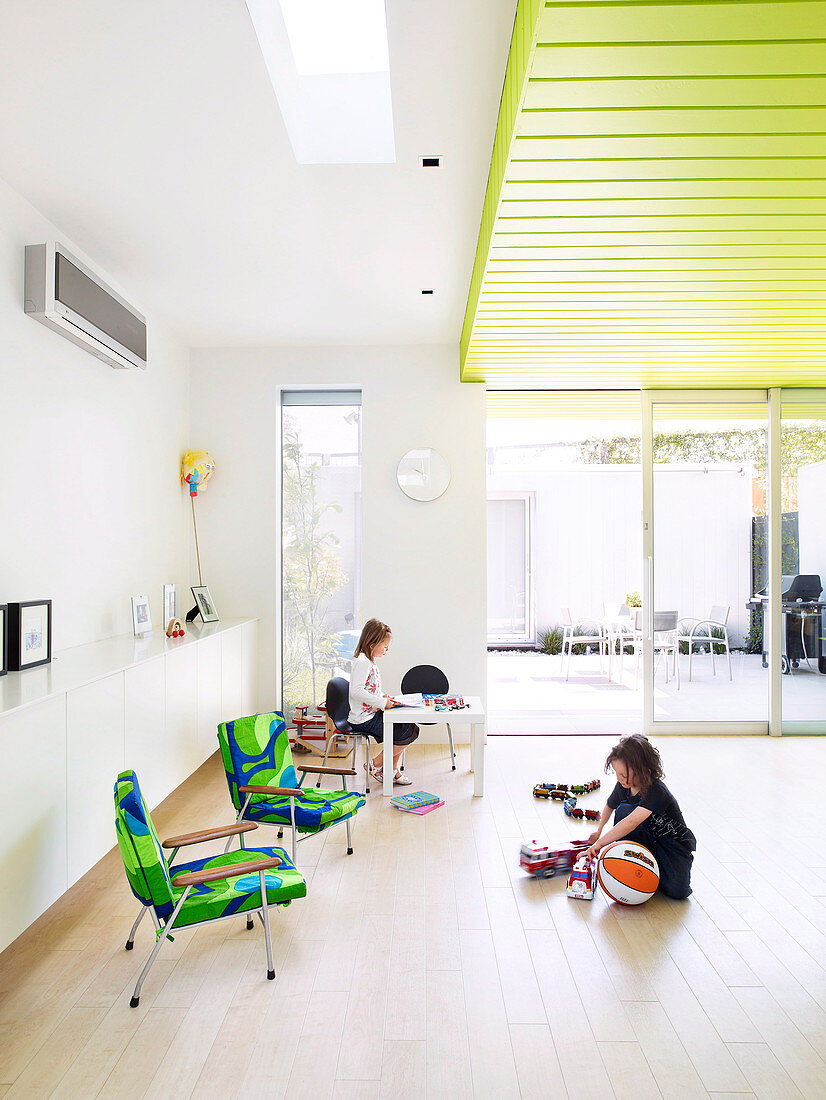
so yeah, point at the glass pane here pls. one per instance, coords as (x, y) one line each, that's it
(321, 495)
(507, 570)
(803, 473)
(709, 560)
(574, 459)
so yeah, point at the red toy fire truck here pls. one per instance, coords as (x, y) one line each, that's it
(543, 862)
(581, 880)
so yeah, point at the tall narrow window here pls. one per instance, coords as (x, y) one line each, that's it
(321, 538)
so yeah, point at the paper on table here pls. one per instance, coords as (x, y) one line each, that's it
(409, 700)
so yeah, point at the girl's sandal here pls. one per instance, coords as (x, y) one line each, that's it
(376, 773)
(401, 779)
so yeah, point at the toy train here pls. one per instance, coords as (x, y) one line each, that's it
(572, 810)
(544, 862)
(562, 791)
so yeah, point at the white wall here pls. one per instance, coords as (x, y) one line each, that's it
(424, 564)
(588, 539)
(92, 512)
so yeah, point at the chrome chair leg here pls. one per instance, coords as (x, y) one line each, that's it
(452, 750)
(265, 920)
(136, 996)
(130, 943)
(349, 838)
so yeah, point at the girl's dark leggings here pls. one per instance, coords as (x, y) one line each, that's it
(673, 857)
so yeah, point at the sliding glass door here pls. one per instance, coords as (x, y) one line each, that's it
(510, 573)
(705, 541)
(733, 632)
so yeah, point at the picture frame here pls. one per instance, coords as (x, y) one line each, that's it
(4, 639)
(170, 602)
(28, 634)
(141, 616)
(205, 604)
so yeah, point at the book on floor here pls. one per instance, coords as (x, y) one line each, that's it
(421, 810)
(414, 800)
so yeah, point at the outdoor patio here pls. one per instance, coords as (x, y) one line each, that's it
(528, 694)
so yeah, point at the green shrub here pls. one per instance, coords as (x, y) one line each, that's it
(585, 647)
(550, 640)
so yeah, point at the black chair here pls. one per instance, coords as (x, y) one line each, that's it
(338, 710)
(429, 680)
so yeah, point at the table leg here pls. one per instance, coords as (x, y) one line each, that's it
(477, 757)
(387, 757)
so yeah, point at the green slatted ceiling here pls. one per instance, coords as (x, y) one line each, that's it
(656, 207)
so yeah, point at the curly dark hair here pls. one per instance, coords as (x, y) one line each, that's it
(640, 757)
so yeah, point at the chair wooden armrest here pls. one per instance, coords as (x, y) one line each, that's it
(281, 792)
(209, 834)
(326, 769)
(195, 878)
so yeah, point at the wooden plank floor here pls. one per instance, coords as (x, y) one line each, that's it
(428, 964)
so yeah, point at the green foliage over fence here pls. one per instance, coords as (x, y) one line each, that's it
(799, 446)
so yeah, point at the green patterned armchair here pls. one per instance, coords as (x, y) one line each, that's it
(264, 786)
(242, 882)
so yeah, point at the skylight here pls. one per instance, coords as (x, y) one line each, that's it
(331, 36)
(329, 65)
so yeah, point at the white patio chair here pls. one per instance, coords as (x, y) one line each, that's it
(570, 638)
(665, 641)
(695, 631)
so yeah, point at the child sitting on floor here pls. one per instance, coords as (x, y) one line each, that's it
(646, 812)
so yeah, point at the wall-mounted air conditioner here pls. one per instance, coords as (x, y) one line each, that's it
(64, 294)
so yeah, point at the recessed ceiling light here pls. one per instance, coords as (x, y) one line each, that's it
(428, 292)
(430, 162)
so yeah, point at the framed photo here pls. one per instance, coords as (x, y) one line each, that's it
(141, 616)
(29, 634)
(4, 639)
(204, 603)
(170, 602)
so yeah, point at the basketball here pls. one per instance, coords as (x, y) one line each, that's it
(627, 872)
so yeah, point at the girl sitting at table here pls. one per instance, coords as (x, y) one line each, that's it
(368, 703)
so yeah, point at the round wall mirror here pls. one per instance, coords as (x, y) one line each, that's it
(423, 474)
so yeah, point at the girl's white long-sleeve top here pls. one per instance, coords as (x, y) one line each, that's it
(365, 690)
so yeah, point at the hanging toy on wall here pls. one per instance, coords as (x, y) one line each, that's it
(197, 467)
(175, 629)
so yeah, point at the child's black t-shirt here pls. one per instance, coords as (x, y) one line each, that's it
(666, 818)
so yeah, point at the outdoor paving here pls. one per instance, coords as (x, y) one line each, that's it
(528, 693)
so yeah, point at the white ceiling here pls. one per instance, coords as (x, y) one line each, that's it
(150, 134)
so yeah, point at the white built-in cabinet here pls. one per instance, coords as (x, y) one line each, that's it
(68, 728)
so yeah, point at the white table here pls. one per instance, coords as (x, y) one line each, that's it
(474, 715)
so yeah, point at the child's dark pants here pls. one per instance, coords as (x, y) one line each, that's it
(403, 732)
(673, 857)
